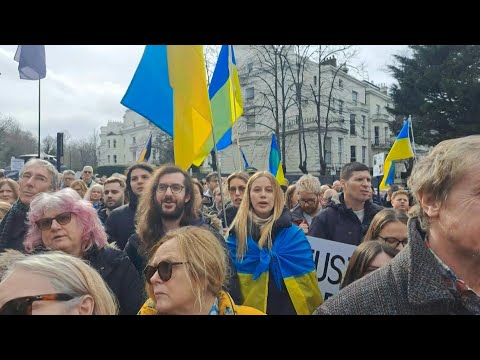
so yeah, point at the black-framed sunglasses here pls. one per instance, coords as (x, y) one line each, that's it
(176, 188)
(23, 305)
(393, 241)
(164, 269)
(62, 219)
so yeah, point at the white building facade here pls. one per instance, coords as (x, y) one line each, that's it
(122, 141)
(353, 114)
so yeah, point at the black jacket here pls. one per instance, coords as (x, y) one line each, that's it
(120, 225)
(338, 223)
(13, 227)
(119, 273)
(230, 212)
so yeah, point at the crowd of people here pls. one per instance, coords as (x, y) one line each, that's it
(157, 241)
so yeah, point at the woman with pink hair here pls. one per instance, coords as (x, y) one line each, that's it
(63, 221)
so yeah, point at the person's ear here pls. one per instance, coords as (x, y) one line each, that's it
(86, 305)
(430, 206)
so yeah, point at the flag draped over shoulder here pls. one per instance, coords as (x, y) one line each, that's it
(225, 99)
(31, 62)
(289, 261)
(169, 88)
(274, 163)
(401, 149)
(146, 151)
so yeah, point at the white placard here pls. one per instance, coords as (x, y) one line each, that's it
(16, 164)
(331, 260)
(378, 161)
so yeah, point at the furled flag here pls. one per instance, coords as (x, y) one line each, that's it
(169, 88)
(275, 163)
(401, 149)
(146, 151)
(31, 62)
(225, 99)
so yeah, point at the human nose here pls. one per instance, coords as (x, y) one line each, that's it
(55, 225)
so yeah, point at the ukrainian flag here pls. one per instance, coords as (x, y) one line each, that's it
(169, 88)
(146, 151)
(401, 149)
(274, 163)
(225, 99)
(289, 261)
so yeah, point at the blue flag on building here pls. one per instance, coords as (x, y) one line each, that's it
(246, 165)
(31, 62)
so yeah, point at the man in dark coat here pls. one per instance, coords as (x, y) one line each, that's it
(438, 272)
(120, 225)
(36, 176)
(347, 219)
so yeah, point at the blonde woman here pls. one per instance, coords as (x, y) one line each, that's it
(52, 283)
(95, 196)
(273, 259)
(185, 275)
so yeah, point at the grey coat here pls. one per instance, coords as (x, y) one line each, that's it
(411, 284)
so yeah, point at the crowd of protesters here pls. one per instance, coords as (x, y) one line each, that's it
(158, 241)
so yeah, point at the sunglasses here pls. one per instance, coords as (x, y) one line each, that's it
(62, 219)
(164, 269)
(23, 305)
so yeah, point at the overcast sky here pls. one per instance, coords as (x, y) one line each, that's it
(85, 83)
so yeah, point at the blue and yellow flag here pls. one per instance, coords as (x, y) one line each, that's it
(401, 149)
(225, 99)
(146, 151)
(169, 88)
(274, 162)
(289, 261)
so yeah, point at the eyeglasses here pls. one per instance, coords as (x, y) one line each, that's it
(393, 241)
(176, 188)
(233, 189)
(87, 172)
(164, 269)
(62, 219)
(23, 305)
(309, 201)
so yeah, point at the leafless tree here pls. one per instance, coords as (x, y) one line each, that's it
(49, 145)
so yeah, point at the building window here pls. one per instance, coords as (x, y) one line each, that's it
(354, 97)
(378, 109)
(377, 135)
(250, 93)
(352, 124)
(328, 151)
(364, 154)
(134, 140)
(340, 107)
(114, 159)
(134, 124)
(340, 83)
(154, 154)
(340, 151)
(134, 155)
(108, 159)
(353, 151)
(250, 66)
(108, 142)
(386, 135)
(114, 144)
(364, 124)
(333, 105)
(250, 122)
(315, 80)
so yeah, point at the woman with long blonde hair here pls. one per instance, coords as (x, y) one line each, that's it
(273, 259)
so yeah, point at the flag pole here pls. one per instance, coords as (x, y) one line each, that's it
(39, 120)
(413, 139)
(219, 172)
(230, 70)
